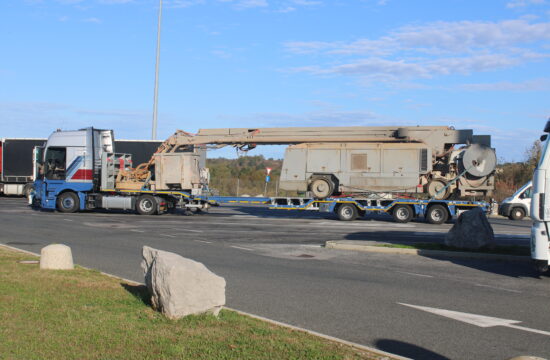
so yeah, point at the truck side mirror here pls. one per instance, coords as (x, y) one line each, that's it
(543, 137)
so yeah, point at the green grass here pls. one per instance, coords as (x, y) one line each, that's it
(83, 314)
(503, 250)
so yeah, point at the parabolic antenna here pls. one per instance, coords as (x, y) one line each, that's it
(479, 160)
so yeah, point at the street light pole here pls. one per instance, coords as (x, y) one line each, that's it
(156, 100)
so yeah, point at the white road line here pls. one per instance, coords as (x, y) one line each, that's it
(138, 231)
(415, 274)
(242, 248)
(202, 241)
(172, 236)
(67, 219)
(498, 288)
(190, 230)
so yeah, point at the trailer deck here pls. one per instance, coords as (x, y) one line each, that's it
(349, 208)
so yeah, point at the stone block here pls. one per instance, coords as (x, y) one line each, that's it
(181, 286)
(471, 231)
(56, 257)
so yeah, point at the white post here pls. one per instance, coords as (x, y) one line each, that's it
(156, 99)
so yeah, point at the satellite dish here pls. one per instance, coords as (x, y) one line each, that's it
(479, 160)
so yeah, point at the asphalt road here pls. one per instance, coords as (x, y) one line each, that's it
(275, 267)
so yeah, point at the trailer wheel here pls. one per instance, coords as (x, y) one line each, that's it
(517, 213)
(347, 212)
(402, 213)
(146, 205)
(322, 188)
(68, 202)
(437, 214)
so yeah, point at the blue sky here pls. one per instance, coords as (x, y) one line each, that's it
(483, 65)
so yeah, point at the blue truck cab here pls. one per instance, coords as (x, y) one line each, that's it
(68, 167)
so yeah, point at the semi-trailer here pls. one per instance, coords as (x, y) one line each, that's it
(80, 170)
(16, 160)
(402, 209)
(16, 169)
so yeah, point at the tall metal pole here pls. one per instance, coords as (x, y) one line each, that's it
(156, 100)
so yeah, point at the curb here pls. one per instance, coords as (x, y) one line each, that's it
(354, 246)
(385, 355)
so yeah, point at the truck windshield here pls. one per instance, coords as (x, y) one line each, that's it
(54, 163)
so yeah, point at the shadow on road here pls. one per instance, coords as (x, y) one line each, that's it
(408, 350)
(140, 292)
(496, 266)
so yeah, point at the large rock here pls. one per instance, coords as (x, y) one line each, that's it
(56, 257)
(471, 231)
(180, 286)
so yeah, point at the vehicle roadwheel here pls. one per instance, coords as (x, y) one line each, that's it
(347, 212)
(27, 190)
(321, 188)
(68, 202)
(517, 214)
(434, 187)
(146, 205)
(402, 213)
(437, 214)
(541, 266)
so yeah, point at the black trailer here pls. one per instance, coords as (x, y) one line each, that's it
(16, 165)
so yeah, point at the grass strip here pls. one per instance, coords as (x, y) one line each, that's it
(499, 249)
(83, 314)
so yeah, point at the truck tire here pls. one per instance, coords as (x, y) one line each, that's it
(437, 214)
(146, 205)
(516, 213)
(402, 213)
(347, 212)
(321, 188)
(27, 190)
(68, 202)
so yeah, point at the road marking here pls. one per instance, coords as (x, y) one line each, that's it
(139, 231)
(202, 241)
(477, 320)
(242, 248)
(498, 288)
(67, 219)
(196, 231)
(415, 274)
(172, 236)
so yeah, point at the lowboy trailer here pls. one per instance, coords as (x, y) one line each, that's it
(402, 210)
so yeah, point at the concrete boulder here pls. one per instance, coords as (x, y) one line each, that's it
(56, 257)
(471, 231)
(180, 286)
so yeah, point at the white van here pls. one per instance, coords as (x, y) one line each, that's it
(517, 206)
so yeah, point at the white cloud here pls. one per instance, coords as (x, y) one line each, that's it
(523, 3)
(529, 85)
(439, 37)
(425, 51)
(115, 1)
(92, 20)
(246, 4)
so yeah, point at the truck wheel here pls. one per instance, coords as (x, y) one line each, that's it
(146, 205)
(347, 212)
(68, 202)
(321, 188)
(402, 213)
(437, 214)
(517, 214)
(541, 266)
(27, 190)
